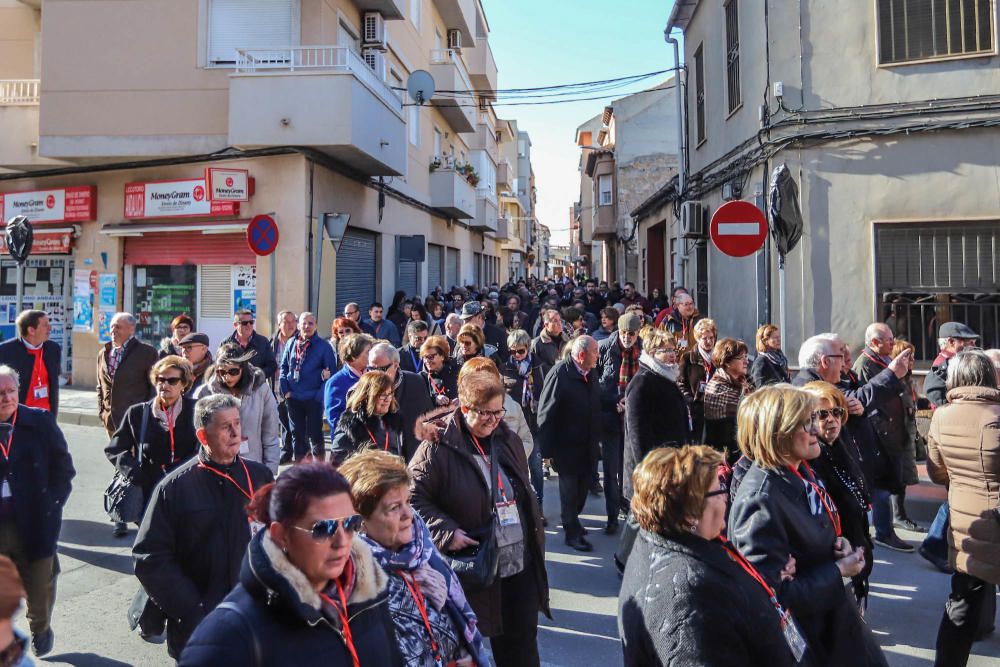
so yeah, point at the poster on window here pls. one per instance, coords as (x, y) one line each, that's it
(83, 302)
(245, 288)
(107, 289)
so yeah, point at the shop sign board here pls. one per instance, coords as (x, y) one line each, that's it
(228, 184)
(47, 243)
(174, 199)
(77, 204)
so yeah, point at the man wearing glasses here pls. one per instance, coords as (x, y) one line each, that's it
(122, 372)
(249, 340)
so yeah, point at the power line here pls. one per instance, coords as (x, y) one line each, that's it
(559, 101)
(562, 86)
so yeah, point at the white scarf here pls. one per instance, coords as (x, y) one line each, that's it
(668, 371)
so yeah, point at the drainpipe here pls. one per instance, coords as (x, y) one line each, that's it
(681, 258)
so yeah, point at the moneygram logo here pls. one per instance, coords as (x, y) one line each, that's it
(50, 201)
(229, 181)
(199, 193)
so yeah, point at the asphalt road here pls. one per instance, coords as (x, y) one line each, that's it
(96, 587)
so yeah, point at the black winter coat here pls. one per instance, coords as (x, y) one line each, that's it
(548, 351)
(409, 359)
(444, 382)
(14, 353)
(769, 521)
(263, 354)
(609, 366)
(684, 601)
(763, 371)
(936, 385)
(356, 432)
(888, 419)
(515, 386)
(39, 473)
(191, 541)
(413, 400)
(274, 617)
(656, 414)
(569, 418)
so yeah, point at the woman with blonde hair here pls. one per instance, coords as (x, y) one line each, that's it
(370, 420)
(471, 343)
(695, 368)
(771, 365)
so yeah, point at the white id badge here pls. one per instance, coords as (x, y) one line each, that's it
(41, 392)
(255, 527)
(5, 489)
(244, 447)
(701, 387)
(507, 513)
(792, 635)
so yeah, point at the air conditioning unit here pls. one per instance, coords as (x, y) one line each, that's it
(376, 60)
(374, 31)
(455, 39)
(692, 220)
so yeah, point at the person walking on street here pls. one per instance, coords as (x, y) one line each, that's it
(549, 344)
(305, 365)
(410, 391)
(354, 352)
(370, 420)
(249, 340)
(725, 389)
(569, 431)
(36, 474)
(380, 328)
(195, 348)
(680, 321)
(122, 372)
(287, 327)
(409, 354)
(340, 329)
(440, 370)
(524, 378)
(36, 359)
(194, 534)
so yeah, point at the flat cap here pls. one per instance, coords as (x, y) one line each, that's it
(194, 339)
(956, 330)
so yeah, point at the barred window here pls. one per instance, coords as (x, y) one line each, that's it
(699, 93)
(925, 29)
(733, 55)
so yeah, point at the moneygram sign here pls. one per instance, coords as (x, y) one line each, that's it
(228, 184)
(174, 199)
(77, 204)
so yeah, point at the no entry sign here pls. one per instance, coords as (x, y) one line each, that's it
(738, 229)
(262, 235)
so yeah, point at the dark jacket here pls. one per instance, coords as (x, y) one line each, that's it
(444, 382)
(609, 365)
(192, 538)
(382, 330)
(413, 400)
(275, 343)
(889, 419)
(39, 473)
(409, 359)
(281, 620)
(656, 414)
(569, 418)
(16, 355)
(356, 431)
(763, 371)
(263, 355)
(130, 385)
(308, 386)
(148, 464)
(496, 336)
(769, 521)
(450, 492)
(936, 384)
(548, 350)
(694, 374)
(515, 385)
(684, 601)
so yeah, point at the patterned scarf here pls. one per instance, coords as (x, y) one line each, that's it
(630, 365)
(415, 558)
(527, 382)
(115, 358)
(778, 358)
(301, 347)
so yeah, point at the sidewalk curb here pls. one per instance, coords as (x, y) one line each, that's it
(79, 418)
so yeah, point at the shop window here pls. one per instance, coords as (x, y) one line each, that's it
(160, 293)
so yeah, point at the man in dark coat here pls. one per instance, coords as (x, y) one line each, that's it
(569, 428)
(37, 360)
(409, 355)
(548, 346)
(195, 531)
(249, 340)
(35, 474)
(123, 367)
(411, 393)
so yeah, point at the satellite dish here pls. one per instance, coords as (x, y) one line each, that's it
(420, 86)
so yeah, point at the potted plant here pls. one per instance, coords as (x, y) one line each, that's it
(435, 164)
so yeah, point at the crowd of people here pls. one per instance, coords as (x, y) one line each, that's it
(375, 497)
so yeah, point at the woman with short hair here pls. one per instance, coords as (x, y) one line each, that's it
(687, 596)
(725, 389)
(523, 376)
(514, 415)
(180, 326)
(354, 355)
(696, 368)
(371, 420)
(439, 369)
(471, 343)
(340, 329)
(433, 621)
(309, 593)
(770, 366)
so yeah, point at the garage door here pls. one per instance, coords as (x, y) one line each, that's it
(453, 277)
(356, 262)
(434, 264)
(406, 277)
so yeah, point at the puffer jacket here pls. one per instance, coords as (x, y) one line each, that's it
(963, 453)
(275, 617)
(357, 431)
(258, 417)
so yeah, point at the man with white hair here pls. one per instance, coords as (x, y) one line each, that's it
(122, 372)
(994, 356)
(569, 430)
(410, 390)
(452, 325)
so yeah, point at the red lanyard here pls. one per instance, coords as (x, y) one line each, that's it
(831, 510)
(741, 560)
(434, 385)
(10, 440)
(875, 359)
(418, 598)
(344, 621)
(374, 441)
(233, 481)
(475, 441)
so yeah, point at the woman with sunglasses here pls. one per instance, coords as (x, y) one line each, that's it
(523, 376)
(433, 620)
(440, 370)
(180, 327)
(839, 466)
(472, 343)
(716, 607)
(233, 374)
(783, 509)
(341, 328)
(371, 420)
(308, 593)
(452, 485)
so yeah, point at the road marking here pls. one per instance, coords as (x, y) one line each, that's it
(738, 229)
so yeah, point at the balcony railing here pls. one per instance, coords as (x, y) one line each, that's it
(445, 56)
(18, 92)
(318, 58)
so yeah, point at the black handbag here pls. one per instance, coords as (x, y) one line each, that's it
(123, 499)
(476, 566)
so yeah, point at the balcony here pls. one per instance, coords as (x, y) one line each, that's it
(486, 211)
(19, 125)
(482, 65)
(452, 194)
(459, 15)
(391, 9)
(324, 97)
(485, 138)
(450, 75)
(505, 175)
(502, 232)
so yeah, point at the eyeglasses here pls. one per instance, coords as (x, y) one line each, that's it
(519, 351)
(171, 381)
(246, 323)
(665, 350)
(386, 397)
(823, 415)
(719, 492)
(379, 368)
(231, 372)
(833, 356)
(431, 356)
(325, 529)
(811, 426)
(489, 414)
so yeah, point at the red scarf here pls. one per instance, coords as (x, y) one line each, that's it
(630, 365)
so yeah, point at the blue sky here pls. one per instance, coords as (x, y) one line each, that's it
(547, 42)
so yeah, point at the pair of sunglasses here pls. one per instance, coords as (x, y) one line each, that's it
(232, 372)
(325, 529)
(171, 381)
(825, 414)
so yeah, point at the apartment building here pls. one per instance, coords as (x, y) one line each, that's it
(142, 137)
(885, 114)
(517, 203)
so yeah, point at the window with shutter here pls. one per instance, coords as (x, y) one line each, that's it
(215, 294)
(251, 24)
(434, 263)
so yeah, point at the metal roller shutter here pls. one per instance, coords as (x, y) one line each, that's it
(356, 263)
(434, 276)
(251, 24)
(453, 277)
(179, 248)
(406, 277)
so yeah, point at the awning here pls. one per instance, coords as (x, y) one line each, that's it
(142, 228)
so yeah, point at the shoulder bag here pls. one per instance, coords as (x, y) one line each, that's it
(476, 566)
(123, 499)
